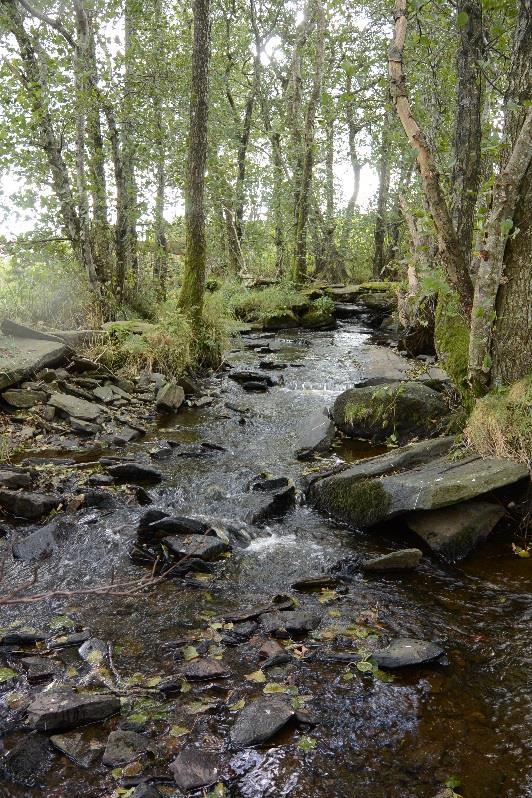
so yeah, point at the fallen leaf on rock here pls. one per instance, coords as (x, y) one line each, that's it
(307, 744)
(179, 731)
(236, 707)
(190, 652)
(274, 687)
(256, 676)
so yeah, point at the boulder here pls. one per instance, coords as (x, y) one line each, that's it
(64, 709)
(24, 398)
(194, 768)
(455, 531)
(204, 547)
(155, 525)
(147, 791)
(21, 637)
(23, 504)
(402, 560)
(73, 406)
(403, 409)
(289, 622)
(317, 319)
(254, 387)
(244, 376)
(190, 386)
(124, 747)
(406, 651)
(260, 720)
(73, 745)
(204, 668)
(134, 473)
(355, 497)
(170, 398)
(315, 435)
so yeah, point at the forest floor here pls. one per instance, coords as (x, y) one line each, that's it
(239, 671)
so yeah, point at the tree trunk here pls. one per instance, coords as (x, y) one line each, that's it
(160, 267)
(465, 177)
(299, 267)
(128, 146)
(193, 288)
(502, 353)
(352, 130)
(379, 258)
(449, 247)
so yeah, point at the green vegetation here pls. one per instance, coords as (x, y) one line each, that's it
(360, 503)
(451, 337)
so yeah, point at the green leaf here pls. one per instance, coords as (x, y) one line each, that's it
(307, 744)
(237, 706)
(190, 652)
(6, 675)
(462, 19)
(273, 687)
(364, 667)
(179, 731)
(257, 676)
(62, 622)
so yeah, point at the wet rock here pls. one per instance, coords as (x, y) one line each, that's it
(125, 435)
(151, 379)
(73, 406)
(28, 760)
(14, 479)
(260, 720)
(203, 668)
(315, 583)
(290, 622)
(404, 409)
(37, 545)
(315, 435)
(68, 641)
(28, 505)
(455, 531)
(21, 637)
(85, 427)
(204, 547)
(402, 560)
(246, 376)
(406, 651)
(254, 387)
(194, 768)
(170, 398)
(133, 473)
(48, 413)
(269, 483)
(99, 498)
(93, 650)
(190, 386)
(64, 709)
(155, 525)
(270, 648)
(23, 398)
(75, 747)
(124, 747)
(282, 320)
(161, 454)
(40, 669)
(358, 497)
(100, 480)
(276, 506)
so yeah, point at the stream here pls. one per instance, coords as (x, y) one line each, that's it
(402, 738)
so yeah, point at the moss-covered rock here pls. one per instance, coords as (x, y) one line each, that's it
(451, 338)
(281, 320)
(320, 316)
(401, 409)
(361, 503)
(501, 423)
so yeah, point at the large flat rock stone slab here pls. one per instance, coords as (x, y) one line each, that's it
(75, 407)
(21, 357)
(355, 497)
(315, 434)
(455, 531)
(64, 709)
(260, 720)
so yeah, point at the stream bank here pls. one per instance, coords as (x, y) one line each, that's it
(389, 733)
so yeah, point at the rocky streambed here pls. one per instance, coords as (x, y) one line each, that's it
(303, 644)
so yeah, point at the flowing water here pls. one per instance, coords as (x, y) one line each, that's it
(468, 719)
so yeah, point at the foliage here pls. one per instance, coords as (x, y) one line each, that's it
(260, 304)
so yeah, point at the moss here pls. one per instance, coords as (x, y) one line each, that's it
(501, 423)
(358, 502)
(356, 412)
(379, 286)
(451, 337)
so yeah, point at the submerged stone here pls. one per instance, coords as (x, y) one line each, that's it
(402, 560)
(296, 622)
(455, 531)
(28, 760)
(27, 505)
(124, 747)
(204, 668)
(75, 747)
(194, 768)
(133, 473)
(406, 651)
(204, 547)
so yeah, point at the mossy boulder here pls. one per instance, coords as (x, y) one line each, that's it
(365, 495)
(501, 422)
(402, 410)
(281, 320)
(319, 317)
